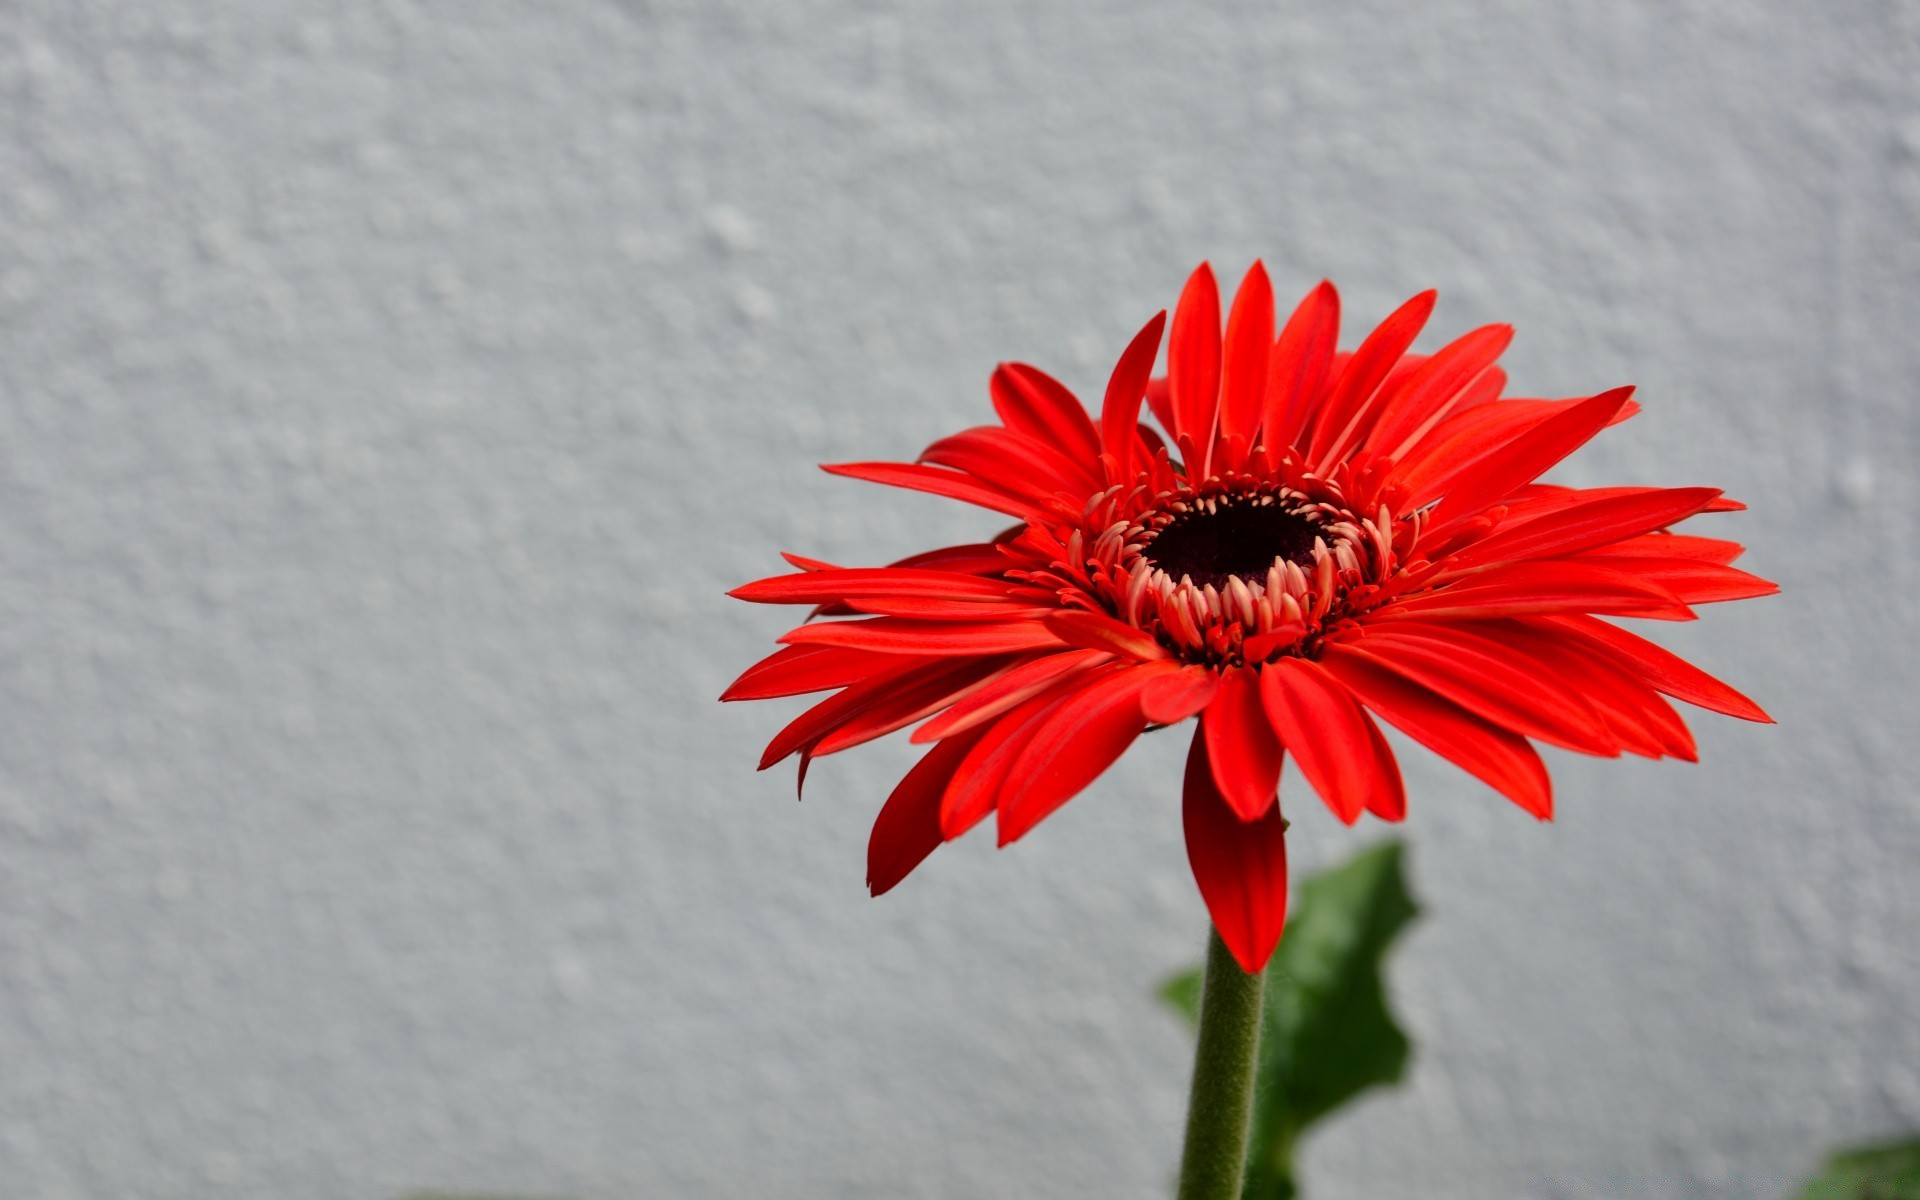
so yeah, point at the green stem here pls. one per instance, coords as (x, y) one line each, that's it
(1216, 1152)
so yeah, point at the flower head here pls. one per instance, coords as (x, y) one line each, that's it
(1311, 541)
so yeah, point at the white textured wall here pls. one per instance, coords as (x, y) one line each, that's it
(389, 390)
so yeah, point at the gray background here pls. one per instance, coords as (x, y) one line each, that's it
(388, 392)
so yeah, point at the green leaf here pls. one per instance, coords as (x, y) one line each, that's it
(1884, 1171)
(1182, 994)
(1326, 1033)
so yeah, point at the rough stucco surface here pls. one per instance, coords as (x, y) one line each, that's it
(388, 392)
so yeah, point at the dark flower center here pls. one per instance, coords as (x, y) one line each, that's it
(1224, 536)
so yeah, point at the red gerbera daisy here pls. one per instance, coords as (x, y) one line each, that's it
(1311, 540)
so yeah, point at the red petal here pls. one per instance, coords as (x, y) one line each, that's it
(1260, 647)
(1160, 404)
(796, 670)
(1503, 760)
(1241, 745)
(1694, 582)
(1321, 725)
(978, 558)
(809, 727)
(1040, 406)
(1297, 369)
(1013, 462)
(1151, 443)
(1526, 457)
(1177, 695)
(1120, 416)
(974, 791)
(908, 828)
(1477, 673)
(1584, 526)
(898, 635)
(1240, 866)
(921, 609)
(1634, 712)
(1014, 688)
(1462, 441)
(1672, 545)
(813, 587)
(1429, 393)
(1193, 364)
(1243, 389)
(803, 563)
(1662, 669)
(939, 481)
(1388, 801)
(1078, 627)
(1072, 745)
(1514, 589)
(1347, 416)
(909, 704)
(1537, 500)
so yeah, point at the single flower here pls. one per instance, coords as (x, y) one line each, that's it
(1311, 540)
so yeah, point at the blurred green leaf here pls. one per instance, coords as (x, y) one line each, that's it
(1884, 1171)
(1327, 1034)
(1182, 994)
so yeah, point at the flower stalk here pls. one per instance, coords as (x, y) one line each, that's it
(1223, 1067)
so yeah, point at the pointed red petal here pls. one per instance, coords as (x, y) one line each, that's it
(1249, 343)
(1120, 416)
(1455, 447)
(1634, 712)
(1073, 744)
(920, 608)
(806, 730)
(1693, 582)
(1348, 414)
(1321, 725)
(1430, 392)
(1297, 369)
(1526, 458)
(813, 587)
(1477, 673)
(955, 485)
(1095, 631)
(1014, 463)
(1193, 364)
(980, 779)
(1514, 589)
(796, 670)
(1241, 745)
(802, 563)
(1040, 406)
(1662, 669)
(1260, 647)
(1014, 688)
(1672, 545)
(908, 704)
(1177, 695)
(898, 635)
(908, 828)
(1584, 526)
(976, 558)
(1503, 760)
(1240, 866)
(1160, 404)
(1388, 800)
